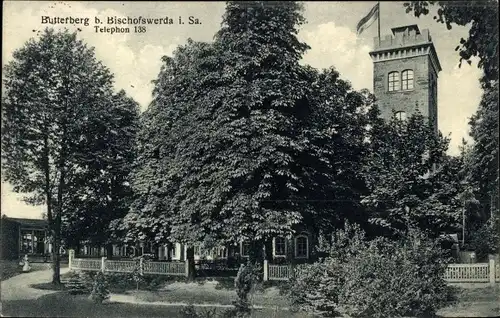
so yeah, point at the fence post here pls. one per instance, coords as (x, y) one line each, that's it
(103, 264)
(141, 266)
(492, 269)
(186, 268)
(266, 270)
(71, 255)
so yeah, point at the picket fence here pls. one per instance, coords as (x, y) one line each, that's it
(455, 273)
(114, 266)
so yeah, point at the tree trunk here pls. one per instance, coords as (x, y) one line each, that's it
(56, 261)
(268, 249)
(56, 279)
(56, 265)
(191, 265)
(256, 253)
(109, 251)
(77, 248)
(169, 252)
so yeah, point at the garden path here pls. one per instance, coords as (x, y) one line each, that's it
(18, 287)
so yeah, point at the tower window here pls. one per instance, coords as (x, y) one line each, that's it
(401, 115)
(393, 81)
(407, 79)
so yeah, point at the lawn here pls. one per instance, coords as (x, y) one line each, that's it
(209, 293)
(62, 304)
(472, 302)
(165, 302)
(475, 302)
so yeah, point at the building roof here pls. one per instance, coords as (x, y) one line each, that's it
(40, 223)
(403, 28)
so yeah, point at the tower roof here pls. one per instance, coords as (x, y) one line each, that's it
(402, 29)
(406, 39)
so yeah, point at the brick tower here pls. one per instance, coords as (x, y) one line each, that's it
(405, 73)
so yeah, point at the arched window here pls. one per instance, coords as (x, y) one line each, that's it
(393, 81)
(301, 246)
(407, 79)
(401, 115)
(279, 248)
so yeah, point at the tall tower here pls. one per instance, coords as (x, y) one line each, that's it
(405, 73)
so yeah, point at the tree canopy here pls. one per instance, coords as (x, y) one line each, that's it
(57, 122)
(245, 143)
(412, 182)
(482, 19)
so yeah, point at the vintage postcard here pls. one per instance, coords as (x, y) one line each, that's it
(250, 159)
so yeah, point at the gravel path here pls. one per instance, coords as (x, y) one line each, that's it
(18, 287)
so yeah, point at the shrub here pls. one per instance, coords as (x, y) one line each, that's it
(100, 291)
(137, 275)
(486, 240)
(120, 281)
(246, 281)
(78, 283)
(377, 278)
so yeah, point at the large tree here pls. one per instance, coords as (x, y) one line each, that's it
(101, 194)
(412, 182)
(482, 19)
(483, 166)
(55, 92)
(242, 142)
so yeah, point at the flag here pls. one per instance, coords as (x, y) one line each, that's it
(368, 20)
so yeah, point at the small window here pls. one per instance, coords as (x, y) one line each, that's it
(197, 250)
(245, 249)
(407, 79)
(401, 115)
(279, 246)
(393, 81)
(301, 247)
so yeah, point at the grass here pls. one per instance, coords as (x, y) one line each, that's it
(63, 305)
(472, 302)
(209, 292)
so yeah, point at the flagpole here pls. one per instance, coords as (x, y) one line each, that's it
(378, 22)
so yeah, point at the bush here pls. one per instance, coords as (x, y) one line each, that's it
(78, 283)
(377, 278)
(246, 281)
(486, 240)
(100, 291)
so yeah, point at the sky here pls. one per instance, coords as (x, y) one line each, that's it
(135, 58)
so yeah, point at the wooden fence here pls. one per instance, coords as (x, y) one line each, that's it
(467, 273)
(455, 273)
(86, 264)
(145, 267)
(279, 272)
